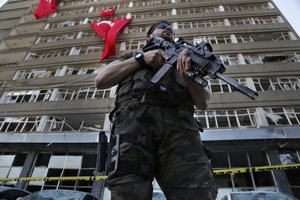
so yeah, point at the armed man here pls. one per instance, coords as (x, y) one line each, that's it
(154, 132)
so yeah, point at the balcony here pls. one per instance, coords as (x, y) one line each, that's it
(265, 99)
(12, 57)
(258, 47)
(88, 110)
(76, 59)
(31, 84)
(17, 5)
(257, 28)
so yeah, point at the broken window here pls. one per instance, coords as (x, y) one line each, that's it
(93, 49)
(257, 20)
(84, 93)
(280, 83)
(244, 38)
(229, 59)
(33, 73)
(296, 57)
(31, 56)
(57, 124)
(282, 116)
(227, 118)
(11, 166)
(209, 39)
(275, 58)
(21, 96)
(280, 36)
(63, 165)
(41, 73)
(288, 157)
(288, 83)
(253, 59)
(66, 23)
(19, 124)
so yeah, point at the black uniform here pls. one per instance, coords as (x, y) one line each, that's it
(159, 138)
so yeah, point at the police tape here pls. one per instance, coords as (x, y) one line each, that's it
(254, 169)
(66, 178)
(99, 178)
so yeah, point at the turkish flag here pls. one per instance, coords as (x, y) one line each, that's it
(108, 12)
(45, 8)
(109, 31)
(102, 28)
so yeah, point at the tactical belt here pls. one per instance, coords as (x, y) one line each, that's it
(168, 102)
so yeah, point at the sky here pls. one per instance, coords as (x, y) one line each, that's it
(289, 8)
(291, 11)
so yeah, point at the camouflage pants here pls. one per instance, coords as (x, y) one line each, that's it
(180, 164)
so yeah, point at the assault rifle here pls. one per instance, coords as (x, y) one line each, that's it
(204, 62)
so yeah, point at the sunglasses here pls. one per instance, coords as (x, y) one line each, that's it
(165, 27)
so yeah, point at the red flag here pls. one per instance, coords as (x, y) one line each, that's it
(45, 8)
(108, 12)
(109, 30)
(113, 32)
(102, 28)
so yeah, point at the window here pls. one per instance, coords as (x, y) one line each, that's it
(288, 83)
(253, 59)
(296, 57)
(227, 118)
(258, 20)
(208, 39)
(229, 59)
(57, 124)
(218, 86)
(66, 23)
(47, 124)
(242, 181)
(60, 165)
(282, 116)
(244, 39)
(18, 124)
(11, 166)
(280, 36)
(93, 49)
(84, 93)
(275, 58)
(21, 96)
(31, 56)
(288, 157)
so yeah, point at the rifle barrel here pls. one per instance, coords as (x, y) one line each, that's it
(243, 89)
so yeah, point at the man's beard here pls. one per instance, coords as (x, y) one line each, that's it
(166, 37)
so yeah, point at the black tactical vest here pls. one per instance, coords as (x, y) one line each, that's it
(170, 90)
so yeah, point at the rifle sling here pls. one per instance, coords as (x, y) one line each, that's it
(161, 72)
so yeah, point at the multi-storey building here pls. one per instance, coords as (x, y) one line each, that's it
(51, 112)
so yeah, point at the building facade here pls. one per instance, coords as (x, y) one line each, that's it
(51, 113)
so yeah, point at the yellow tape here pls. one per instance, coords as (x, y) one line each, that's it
(254, 169)
(67, 178)
(98, 178)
